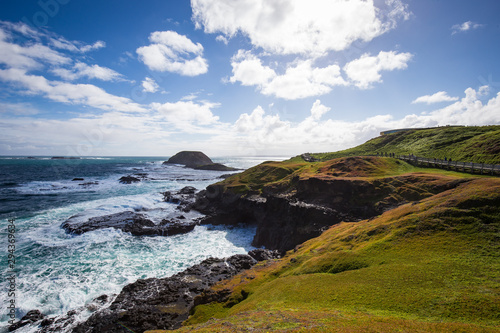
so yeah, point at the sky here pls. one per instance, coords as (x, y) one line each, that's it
(240, 77)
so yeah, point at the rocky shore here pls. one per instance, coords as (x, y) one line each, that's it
(155, 303)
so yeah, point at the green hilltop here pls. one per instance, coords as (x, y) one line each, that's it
(429, 264)
(480, 144)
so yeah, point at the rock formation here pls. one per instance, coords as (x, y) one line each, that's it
(191, 159)
(128, 221)
(197, 160)
(289, 213)
(155, 303)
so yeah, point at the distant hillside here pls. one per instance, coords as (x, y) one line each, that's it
(467, 144)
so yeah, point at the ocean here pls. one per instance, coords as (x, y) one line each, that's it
(56, 271)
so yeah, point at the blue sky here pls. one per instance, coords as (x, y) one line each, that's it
(240, 77)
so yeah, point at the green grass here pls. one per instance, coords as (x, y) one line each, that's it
(431, 266)
(468, 144)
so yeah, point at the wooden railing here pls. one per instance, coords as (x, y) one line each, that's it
(471, 167)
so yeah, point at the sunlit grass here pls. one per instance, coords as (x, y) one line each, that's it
(431, 266)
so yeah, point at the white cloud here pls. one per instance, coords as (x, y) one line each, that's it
(150, 85)
(300, 80)
(83, 94)
(441, 96)
(248, 69)
(81, 69)
(222, 39)
(20, 109)
(260, 133)
(311, 27)
(318, 110)
(75, 46)
(184, 113)
(172, 52)
(366, 70)
(18, 56)
(196, 127)
(466, 26)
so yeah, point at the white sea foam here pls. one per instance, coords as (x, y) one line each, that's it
(58, 272)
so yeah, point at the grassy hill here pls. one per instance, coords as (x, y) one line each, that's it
(429, 266)
(467, 144)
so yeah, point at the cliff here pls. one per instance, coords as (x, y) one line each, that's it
(291, 203)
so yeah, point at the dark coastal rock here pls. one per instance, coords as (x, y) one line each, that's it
(155, 303)
(162, 303)
(77, 179)
(190, 159)
(185, 197)
(227, 175)
(127, 221)
(215, 167)
(187, 190)
(308, 158)
(264, 254)
(129, 180)
(31, 317)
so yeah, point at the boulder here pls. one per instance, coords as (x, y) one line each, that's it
(129, 180)
(190, 159)
(31, 317)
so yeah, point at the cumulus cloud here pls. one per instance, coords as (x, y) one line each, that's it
(81, 69)
(318, 110)
(365, 71)
(466, 26)
(441, 96)
(299, 27)
(150, 85)
(255, 132)
(300, 79)
(172, 52)
(262, 133)
(184, 113)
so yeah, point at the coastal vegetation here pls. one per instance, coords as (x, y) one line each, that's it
(429, 261)
(479, 144)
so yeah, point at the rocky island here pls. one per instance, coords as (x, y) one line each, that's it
(197, 160)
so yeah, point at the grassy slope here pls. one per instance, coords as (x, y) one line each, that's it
(430, 266)
(278, 176)
(468, 144)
